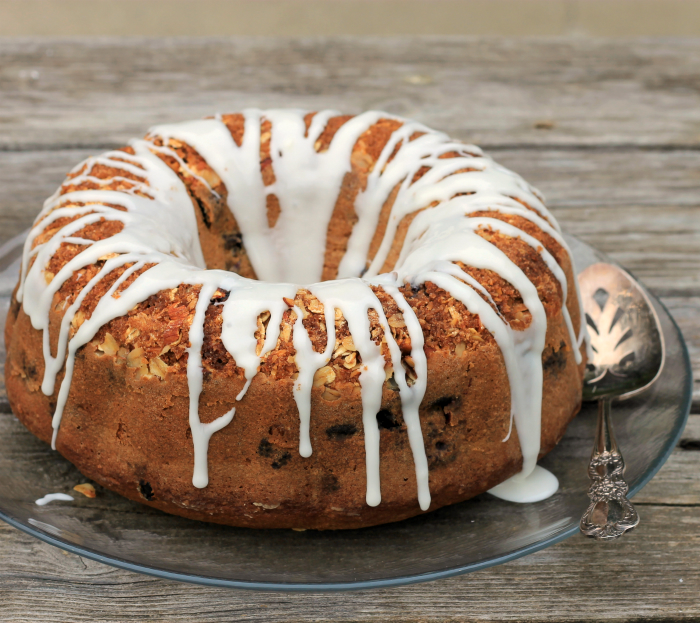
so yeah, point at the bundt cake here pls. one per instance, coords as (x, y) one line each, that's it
(280, 319)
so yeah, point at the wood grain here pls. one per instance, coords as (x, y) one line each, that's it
(619, 161)
(588, 92)
(635, 579)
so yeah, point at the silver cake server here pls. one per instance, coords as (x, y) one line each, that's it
(627, 357)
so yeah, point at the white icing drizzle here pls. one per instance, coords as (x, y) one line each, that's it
(201, 433)
(538, 485)
(52, 497)
(158, 229)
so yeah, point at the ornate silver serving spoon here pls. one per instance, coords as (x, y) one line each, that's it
(627, 357)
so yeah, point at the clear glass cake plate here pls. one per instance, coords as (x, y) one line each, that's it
(473, 535)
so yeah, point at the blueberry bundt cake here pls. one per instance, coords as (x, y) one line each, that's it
(281, 319)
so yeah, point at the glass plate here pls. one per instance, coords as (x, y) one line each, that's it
(473, 535)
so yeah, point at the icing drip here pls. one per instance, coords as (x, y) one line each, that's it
(157, 231)
(538, 485)
(201, 433)
(52, 497)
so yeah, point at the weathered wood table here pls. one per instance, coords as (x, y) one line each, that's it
(609, 131)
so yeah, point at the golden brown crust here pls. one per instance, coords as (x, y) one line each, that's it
(126, 420)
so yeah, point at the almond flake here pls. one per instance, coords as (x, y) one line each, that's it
(86, 489)
(396, 321)
(268, 507)
(315, 306)
(135, 358)
(324, 376)
(348, 344)
(78, 319)
(331, 395)
(109, 346)
(132, 334)
(158, 367)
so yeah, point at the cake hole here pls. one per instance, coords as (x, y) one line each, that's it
(281, 461)
(265, 448)
(329, 483)
(387, 420)
(146, 490)
(554, 361)
(341, 432)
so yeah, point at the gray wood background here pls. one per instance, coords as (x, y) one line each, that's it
(609, 131)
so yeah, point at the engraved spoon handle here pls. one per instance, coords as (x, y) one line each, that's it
(610, 514)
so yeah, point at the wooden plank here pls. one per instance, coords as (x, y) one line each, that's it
(497, 92)
(569, 178)
(678, 482)
(652, 573)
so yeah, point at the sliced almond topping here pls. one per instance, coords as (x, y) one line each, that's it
(350, 361)
(268, 507)
(348, 344)
(474, 334)
(407, 364)
(78, 319)
(314, 306)
(454, 315)
(158, 367)
(86, 489)
(331, 395)
(142, 372)
(135, 358)
(324, 376)
(109, 346)
(108, 256)
(286, 332)
(396, 321)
